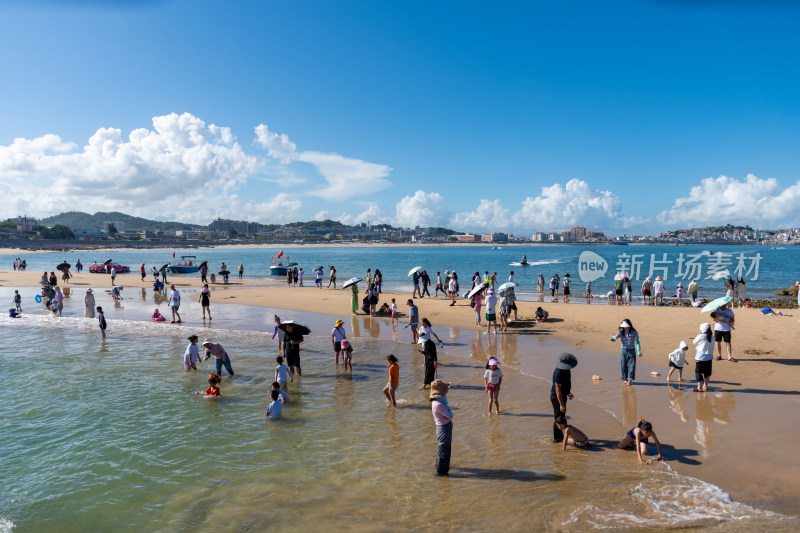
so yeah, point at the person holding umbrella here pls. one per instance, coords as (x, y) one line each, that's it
(292, 340)
(220, 356)
(429, 351)
(560, 392)
(724, 323)
(203, 272)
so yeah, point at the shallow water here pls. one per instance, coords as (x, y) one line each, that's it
(110, 436)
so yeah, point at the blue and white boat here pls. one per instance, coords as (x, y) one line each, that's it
(280, 265)
(187, 265)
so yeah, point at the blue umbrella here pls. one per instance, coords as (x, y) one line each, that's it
(713, 304)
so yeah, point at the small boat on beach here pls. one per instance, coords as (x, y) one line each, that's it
(280, 264)
(185, 266)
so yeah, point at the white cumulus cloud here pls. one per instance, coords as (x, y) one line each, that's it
(726, 200)
(181, 169)
(490, 215)
(421, 209)
(346, 177)
(560, 207)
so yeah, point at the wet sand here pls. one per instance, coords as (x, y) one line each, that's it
(722, 437)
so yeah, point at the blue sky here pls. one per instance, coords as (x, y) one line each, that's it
(626, 117)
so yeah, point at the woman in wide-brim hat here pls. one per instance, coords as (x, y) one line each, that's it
(631, 348)
(443, 418)
(88, 304)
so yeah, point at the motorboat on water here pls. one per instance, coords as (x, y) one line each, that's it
(187, 265)
(280, 265)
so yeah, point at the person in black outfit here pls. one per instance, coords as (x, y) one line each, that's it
(292, 342)
(425, 282)
(560, 391)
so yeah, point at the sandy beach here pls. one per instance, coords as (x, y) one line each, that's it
(742, 456)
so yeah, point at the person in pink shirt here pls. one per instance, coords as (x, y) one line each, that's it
(443, 417)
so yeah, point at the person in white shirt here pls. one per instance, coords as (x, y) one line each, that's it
(677, 360)
(275, 408)
(491, 317)
(492, 378)
(175, 303)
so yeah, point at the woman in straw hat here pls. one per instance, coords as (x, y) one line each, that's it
(337, 336)
(443, 417)
(88, 304)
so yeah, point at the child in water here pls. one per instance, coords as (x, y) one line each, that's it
(492, 378)
(394, 380)
(572, 435)
(101, 320)
(676, 361)
(212, 391)
(639, 436)
(275, 408)
(347, 354)
(158, 317)
(192, 354)
(282, 372)
(282, 395)
(394, 312)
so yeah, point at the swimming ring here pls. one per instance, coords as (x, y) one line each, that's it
(38, 298)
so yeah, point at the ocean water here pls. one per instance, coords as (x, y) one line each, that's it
(110, 436)
(765, 269)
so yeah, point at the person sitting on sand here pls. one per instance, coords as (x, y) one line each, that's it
(384, 310)
(572, 435)
(541, 315)
(639, 436)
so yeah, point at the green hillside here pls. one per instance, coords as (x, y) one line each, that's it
(77, 219)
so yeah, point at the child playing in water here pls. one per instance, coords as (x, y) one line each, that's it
(347, 354)
(639, 436)
(212, 391)
(394, 380)
(492, 378)
(572, 435)
(282, 395)
(275, 408)
(191, 355)
(158, 317)
(282, 372)
(394, 312)
(280, 333)
(677, 360)
(101, 320)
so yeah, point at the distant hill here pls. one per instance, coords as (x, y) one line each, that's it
(77, 219)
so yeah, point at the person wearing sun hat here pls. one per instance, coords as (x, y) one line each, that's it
(560, 391)
(629, 338)
(443, 418)
(88, 304)
(492, 378)
(658, 291)
(220, 356)
(337, 336)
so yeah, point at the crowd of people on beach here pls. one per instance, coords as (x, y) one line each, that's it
(483, 295)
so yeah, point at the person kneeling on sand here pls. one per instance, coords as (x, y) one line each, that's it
(572, 435)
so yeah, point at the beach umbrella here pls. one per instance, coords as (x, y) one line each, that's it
(507, 285)
(319, 268)
(477, 289)
(224, 272)
(415, 269)
(351, 281)
(298, 326)
(63, 266)
(163, 267)
(713, 304)
(722, 274)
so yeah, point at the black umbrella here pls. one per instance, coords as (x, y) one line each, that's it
(224, 272)
(319, 268)
(107, 261)
(299, 327)
(163, 267)
(201, 265)
(63, 266)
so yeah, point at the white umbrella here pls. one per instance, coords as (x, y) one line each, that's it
(415, 269)
(477, 289)
(720, 275)
(619, 275)
(507, 285)
(351, 281)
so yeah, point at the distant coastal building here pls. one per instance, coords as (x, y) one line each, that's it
(26, 223)
(469, 237)
(494, 237)
(84, 234)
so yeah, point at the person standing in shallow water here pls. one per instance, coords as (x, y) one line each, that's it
(561, 390)
(443, 418)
